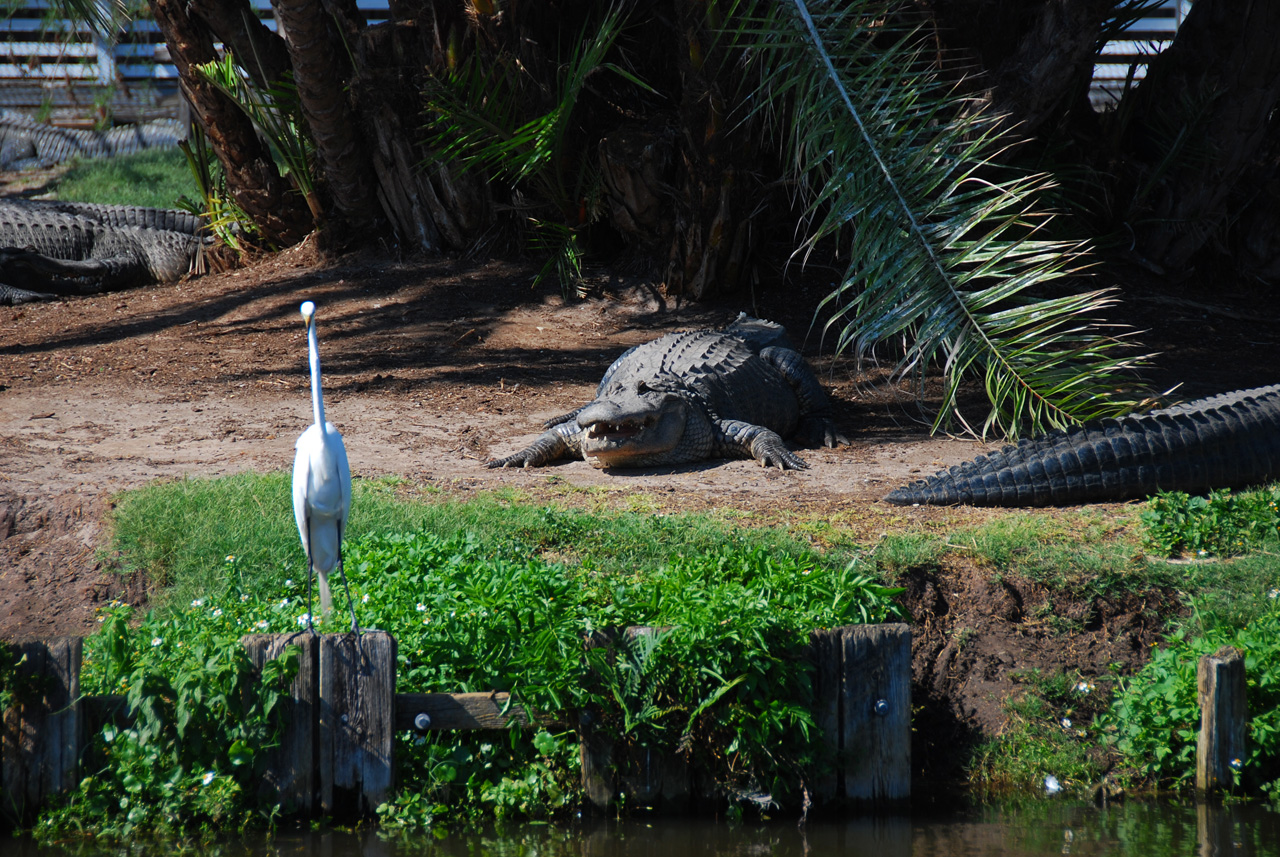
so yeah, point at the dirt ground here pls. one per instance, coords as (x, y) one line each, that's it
(432, 367)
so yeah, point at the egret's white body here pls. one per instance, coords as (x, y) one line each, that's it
(321, 484)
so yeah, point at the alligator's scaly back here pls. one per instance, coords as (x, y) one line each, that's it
(51, 248)
(1226, 441)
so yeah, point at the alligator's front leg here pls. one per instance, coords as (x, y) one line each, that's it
(744, 440)
(561, 441)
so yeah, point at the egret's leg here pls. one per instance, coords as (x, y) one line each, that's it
(355, 627)
(326, 594)
(310, 574)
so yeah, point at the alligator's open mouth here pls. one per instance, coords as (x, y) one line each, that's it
(607, 431)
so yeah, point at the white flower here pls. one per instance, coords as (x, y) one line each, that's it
(155, 641)
(1236, 763)
(422, 608)
(1066, 723)
(1084, 687)
(231, 557)
(288, 582)
(284, 602)
(1273, 593)
(1051, 784)
(304, 619)
(198, 602)
(217, 612)
(365, 599)
(263, 625)
(207, 778)
(244, 597)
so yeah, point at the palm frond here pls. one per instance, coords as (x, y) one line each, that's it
(276, 111)
(948, 250)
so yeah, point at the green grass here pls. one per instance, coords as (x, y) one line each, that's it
(182, 531)
(155, 178)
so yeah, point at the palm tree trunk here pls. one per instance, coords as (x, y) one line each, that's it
(257, 50)
(322, 73)
(1052, 61)
(255, 184)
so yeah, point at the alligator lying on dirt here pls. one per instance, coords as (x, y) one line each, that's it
(25, 143)
(1227, 441)
(50, 249)
(687, 397)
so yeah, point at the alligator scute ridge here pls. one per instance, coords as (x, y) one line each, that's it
(1231, 440)
(25, 143)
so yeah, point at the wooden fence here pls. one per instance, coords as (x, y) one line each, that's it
(336, 755)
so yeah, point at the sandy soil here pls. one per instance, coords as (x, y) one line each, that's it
(433, 367)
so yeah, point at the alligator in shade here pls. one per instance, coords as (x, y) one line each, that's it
(50, 249)
(692, 396)
(25, 143)
(1227, 441)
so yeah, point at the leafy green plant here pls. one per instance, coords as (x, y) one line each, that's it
(948, 250)
(723, 681)
(1220, 524)
(200, 719)
(1155, 720)
(226, 219)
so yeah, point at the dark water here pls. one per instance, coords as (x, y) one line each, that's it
(1039, 829)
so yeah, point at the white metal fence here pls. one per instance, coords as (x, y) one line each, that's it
(60, 70)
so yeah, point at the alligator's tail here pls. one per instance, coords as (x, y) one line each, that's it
(1226, 441)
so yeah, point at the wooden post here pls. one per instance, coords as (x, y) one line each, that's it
(41, 734)
(357, 716)
(336, 754)
(1223, 712)
(290, 779)
(862, 698)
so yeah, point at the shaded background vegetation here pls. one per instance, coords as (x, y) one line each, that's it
(919, 145)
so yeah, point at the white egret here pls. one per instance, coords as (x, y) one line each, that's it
(321, 488)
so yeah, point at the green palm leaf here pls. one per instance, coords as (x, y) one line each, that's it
(950, 251)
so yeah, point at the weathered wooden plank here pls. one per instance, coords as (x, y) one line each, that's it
(826, 651)
(491, 710)
(40, 739)
(290, 779)
(1220, 751)
(876, 712)
(356, 725)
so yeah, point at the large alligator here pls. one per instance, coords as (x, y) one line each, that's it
(25, 143)
(686, 397)
(49, 249)
(1227, 441)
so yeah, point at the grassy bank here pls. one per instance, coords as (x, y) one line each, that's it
(496, 593)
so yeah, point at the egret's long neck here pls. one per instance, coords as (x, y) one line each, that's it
(313, 350)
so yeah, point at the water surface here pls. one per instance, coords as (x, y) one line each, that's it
(1042, 828)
